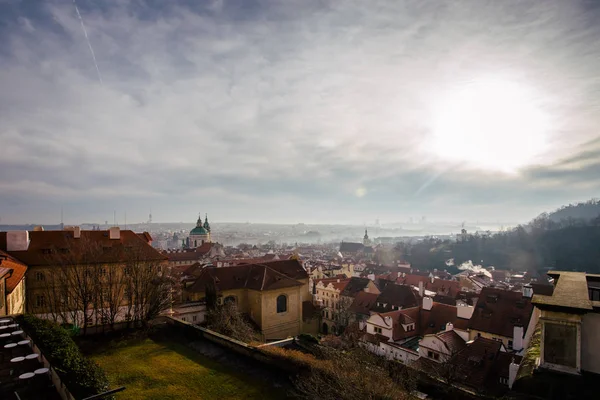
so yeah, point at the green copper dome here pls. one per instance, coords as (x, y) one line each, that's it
(199, 230)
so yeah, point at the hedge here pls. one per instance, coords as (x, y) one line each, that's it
(82, 376)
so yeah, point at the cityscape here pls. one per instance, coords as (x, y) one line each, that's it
(324, 200)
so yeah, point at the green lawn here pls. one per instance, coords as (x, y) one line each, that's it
(169, 370)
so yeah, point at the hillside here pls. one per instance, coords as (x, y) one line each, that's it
(580, 211)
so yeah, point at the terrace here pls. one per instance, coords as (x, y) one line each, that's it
(24, 374)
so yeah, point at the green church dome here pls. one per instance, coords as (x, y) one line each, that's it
(199, 230)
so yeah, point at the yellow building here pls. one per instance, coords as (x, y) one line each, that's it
(60, 263)
(14, 289)
(274, 295)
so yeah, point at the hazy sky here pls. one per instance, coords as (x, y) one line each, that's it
(297, 111)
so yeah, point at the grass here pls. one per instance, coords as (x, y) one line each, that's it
(164, 369)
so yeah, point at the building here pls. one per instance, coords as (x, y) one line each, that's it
(503, 316)
(270, 293)
(66, 266)
(15, 284)
(200, 234)
(441, 347)
(4, 274)
(570, 323)
(327, 296)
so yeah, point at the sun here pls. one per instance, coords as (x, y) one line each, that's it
(490, 124)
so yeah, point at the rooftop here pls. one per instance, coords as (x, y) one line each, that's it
(570, 291)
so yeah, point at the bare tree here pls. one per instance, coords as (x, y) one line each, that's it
(350, 375)
(227, 320)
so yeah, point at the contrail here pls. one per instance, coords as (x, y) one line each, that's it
(88, 42)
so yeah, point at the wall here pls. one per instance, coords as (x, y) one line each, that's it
(2, 296)
(281, 325)
(16, 299)
(433, 343)
(377, 321)
(590, 351)
(193, 332)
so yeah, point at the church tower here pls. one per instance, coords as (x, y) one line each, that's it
(200, 235)
(366, 240)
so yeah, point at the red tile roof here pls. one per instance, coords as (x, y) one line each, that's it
(452, 340)
(363, 302)
(400, 296)
(441, 286)
(50, 247)
(498, 311)
(19, 270)
(435, 320)
(265, 276)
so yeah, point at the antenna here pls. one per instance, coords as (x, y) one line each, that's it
(125, 220)
(114, 217)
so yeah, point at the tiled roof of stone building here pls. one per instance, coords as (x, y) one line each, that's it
(92, 247)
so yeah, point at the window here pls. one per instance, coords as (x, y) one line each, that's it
(478, 334)
(40, 301)
(560, 344)
(377, 330)
(39, 276)
(281, 303)
(433, 355)
(183, 318)
(510, 343)
(327, 314)
(126, 271)
(102, 271)
(194, 318)
(504, 381)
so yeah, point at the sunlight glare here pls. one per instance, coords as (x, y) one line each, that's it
(490, 124)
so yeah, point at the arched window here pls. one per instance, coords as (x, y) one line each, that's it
(229, 300)
(281, 303)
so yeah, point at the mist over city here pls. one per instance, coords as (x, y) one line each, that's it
(299, 199)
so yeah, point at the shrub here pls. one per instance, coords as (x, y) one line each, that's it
(82, 376)
(308, 339)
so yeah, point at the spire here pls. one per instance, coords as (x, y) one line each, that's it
(199, 222)
(206, 224)
(366, 235)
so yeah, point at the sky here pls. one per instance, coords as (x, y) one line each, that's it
(297, 111)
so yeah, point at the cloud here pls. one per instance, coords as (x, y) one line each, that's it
(296, 105)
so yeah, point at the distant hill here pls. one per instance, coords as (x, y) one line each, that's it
(581, 211)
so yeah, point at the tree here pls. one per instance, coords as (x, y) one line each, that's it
(350, 375)
(227, 320)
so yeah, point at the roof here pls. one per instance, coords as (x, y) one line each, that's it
(498, 311)
(4, 271)
(441, 286)
(355, 286)
(199, 230)
(400, 296)
(363, 302)
(190, 254)
(475, 361)
(266, 276)
(350, 247)
(337, 283)
(452, 340)
(435, 320)
(570, 291)
(545, 289)
(93, 247)
(19, 269)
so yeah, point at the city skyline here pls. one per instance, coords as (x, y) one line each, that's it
(315, 112)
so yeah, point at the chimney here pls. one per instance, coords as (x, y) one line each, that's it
(464, 311)
(427, 303)
(527, 291)
(76, 231)
(115, 233)
(17, 240)
(517, 338)
(38, 228)
(513, 368)
(421, 290)
(449, 326)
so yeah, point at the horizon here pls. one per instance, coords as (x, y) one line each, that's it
(297, 112)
